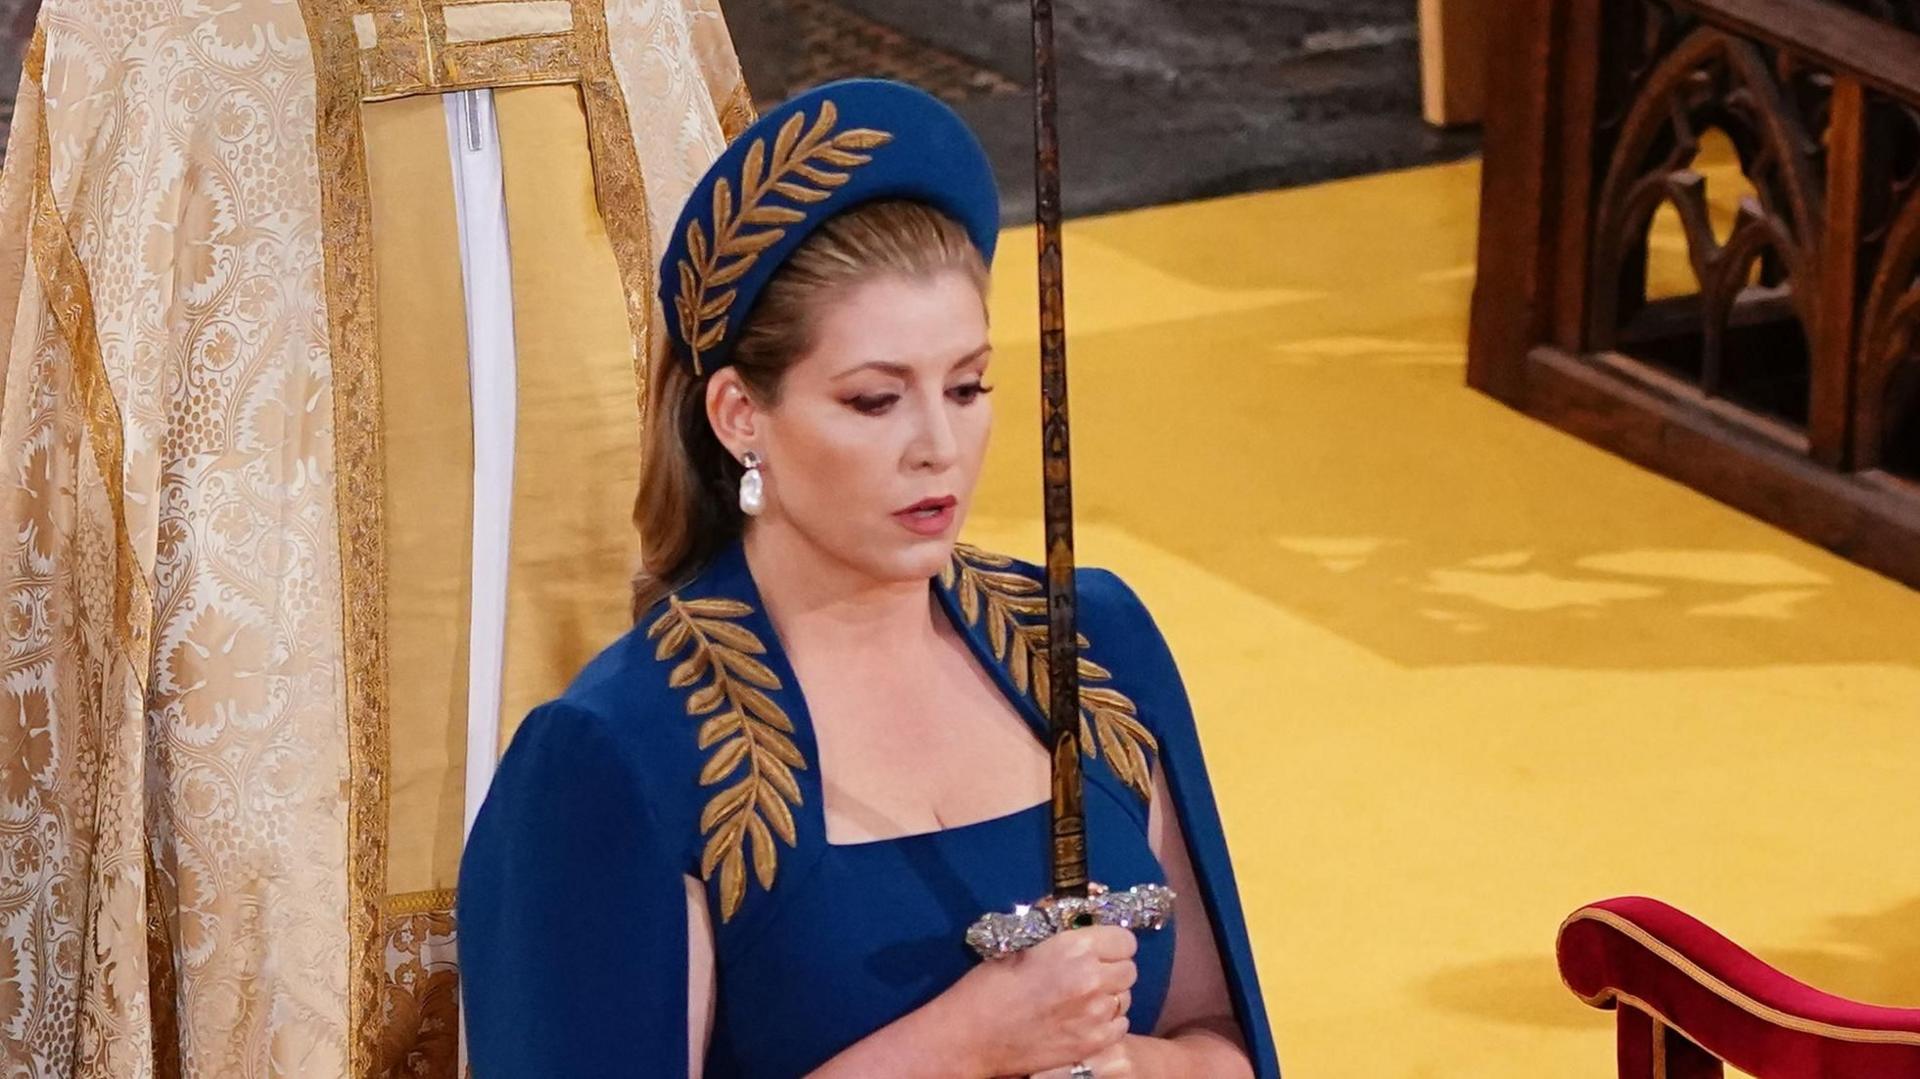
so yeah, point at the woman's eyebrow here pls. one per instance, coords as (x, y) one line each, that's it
(970, 357)
(899, 370)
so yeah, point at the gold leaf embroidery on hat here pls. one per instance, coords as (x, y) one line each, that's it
(803, 168)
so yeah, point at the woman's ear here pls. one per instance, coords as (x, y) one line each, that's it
(731, 411)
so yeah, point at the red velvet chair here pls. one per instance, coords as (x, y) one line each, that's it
(1690, 999)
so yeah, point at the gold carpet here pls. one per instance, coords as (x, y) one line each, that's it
(1457, 673)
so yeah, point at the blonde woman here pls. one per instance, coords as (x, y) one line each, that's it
(751, 837)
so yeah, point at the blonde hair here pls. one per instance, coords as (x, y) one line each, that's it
(687, 509)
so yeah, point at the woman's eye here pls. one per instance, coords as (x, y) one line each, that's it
(969, 392)
(872, 404)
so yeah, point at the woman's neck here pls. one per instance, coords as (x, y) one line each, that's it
(816, 601)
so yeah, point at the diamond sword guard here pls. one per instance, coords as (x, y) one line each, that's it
(1075, 902)
(1143, 906)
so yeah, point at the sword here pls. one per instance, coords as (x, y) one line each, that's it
(1074, 901)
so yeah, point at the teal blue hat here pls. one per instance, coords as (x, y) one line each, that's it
(820, 154)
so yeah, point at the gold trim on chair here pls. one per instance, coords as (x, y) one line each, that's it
(1714, 985)
(1659, 1029)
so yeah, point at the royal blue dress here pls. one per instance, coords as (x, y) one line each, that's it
(686, 749)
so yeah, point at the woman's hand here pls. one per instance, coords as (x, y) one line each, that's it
(1061, 1002)
(1113, 1062)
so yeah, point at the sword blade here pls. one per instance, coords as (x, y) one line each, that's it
(1069, 837)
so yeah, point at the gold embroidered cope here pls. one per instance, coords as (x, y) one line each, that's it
(199, 760)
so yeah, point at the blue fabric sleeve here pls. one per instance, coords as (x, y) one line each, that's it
(572, 915)
(1144, 651)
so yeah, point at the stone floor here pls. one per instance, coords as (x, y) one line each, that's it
(1160, 101)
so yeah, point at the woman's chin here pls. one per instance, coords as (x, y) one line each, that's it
(916, 557)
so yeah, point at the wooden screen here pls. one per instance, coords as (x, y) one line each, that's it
(1700, 248)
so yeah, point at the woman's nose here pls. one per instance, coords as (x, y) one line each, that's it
(937, 446)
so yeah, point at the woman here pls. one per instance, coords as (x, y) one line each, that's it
(688, 865)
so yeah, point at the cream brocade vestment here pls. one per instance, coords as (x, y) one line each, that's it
(272, 395)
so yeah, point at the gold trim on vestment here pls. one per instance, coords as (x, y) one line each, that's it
(737, 112)
(407, 50)
(530, 61)
(618, 183)
(70, 299)
(347, 227)
(432, 901)
(368, 52)
(398, 62)
(163, 982)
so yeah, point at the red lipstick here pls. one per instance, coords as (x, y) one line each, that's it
(929, 516)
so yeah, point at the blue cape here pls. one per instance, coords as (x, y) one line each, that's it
(685, 750)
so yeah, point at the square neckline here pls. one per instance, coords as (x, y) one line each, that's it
(1024, 707)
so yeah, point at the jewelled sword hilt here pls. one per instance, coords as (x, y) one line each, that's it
(1141, 907)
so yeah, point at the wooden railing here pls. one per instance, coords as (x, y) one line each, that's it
(1785, 378)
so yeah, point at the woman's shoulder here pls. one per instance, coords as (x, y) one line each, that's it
(622, 702)
(1130, 689)
(623, 672)
(620, 688)
(1105, 602)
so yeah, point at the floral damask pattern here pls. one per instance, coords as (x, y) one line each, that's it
(673, 155)
(199, 762)
(26, 740)
(420, 1008)
(174, 767)
(72, 932)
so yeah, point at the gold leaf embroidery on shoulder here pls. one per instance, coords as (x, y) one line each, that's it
(744, 728)
(806, 164)
(989, 589)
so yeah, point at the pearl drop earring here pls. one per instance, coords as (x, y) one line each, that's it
(752, 487)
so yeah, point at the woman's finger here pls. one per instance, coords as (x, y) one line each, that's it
(1112, 943)
(1118, 977)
